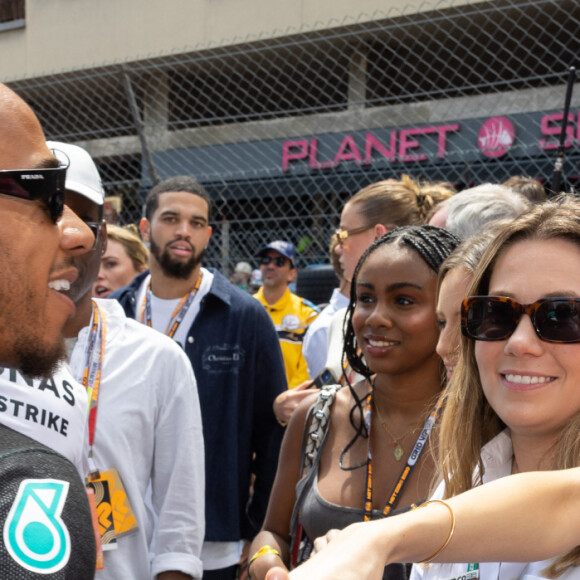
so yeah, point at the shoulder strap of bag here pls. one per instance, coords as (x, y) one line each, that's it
(314, 434)
(313, 440)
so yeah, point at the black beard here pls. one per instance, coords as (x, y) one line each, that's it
(39, 361)
(175, 268)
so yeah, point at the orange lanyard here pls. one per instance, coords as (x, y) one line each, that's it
(179, 312)
(414, 456)
(94, 356)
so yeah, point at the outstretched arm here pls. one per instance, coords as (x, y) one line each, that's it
(539, 515)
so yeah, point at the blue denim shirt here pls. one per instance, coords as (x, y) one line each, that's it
(236, 358)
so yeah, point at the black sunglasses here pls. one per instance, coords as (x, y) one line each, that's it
(278, 260)
(496, 318)
(97, 230)
(32, 184)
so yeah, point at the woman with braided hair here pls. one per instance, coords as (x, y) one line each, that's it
(372, 459)
(369, 214)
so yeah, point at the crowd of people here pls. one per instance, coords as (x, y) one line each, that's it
(161, 422)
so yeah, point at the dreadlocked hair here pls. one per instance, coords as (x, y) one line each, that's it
(433, 245)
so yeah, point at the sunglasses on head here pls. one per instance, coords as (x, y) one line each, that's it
(278, 260)
(32, 184)
(496, 318)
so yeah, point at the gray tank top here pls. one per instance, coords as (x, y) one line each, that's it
(318, 515)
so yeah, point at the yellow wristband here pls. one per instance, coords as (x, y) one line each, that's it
(264, 550)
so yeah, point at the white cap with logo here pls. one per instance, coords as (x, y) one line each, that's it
(82, 175)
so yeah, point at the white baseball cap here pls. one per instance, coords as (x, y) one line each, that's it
(82, 175)
(243, 267)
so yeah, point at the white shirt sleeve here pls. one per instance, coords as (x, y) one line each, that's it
(178, 473)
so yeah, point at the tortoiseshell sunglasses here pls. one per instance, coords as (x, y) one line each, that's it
(496, 318)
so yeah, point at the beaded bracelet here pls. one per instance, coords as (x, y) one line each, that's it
(450, 531)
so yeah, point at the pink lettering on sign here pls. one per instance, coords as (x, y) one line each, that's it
(313, 162)
(496, 137)
(348, 151)
(293, 151)
(440, 130)
(405, 144)
(551, 125)
(373, 144)
(408, 148)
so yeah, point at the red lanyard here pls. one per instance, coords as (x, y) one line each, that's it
(420, 444)
(179, 312)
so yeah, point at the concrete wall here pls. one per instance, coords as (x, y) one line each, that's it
(64, 35)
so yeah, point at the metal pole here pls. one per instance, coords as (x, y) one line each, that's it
(139, 126)
(225, 249)
(557, 175)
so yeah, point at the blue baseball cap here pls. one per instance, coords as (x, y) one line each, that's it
(285, 248)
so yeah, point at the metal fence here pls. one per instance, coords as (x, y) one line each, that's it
(283, 129)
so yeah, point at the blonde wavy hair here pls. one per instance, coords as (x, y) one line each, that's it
(403, 202)
(469, 421)
(128, 237)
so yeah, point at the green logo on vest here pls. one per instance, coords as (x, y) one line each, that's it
(34, 533)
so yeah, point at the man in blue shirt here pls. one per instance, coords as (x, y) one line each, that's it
(234, 350)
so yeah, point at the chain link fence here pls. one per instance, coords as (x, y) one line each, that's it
(282, 129)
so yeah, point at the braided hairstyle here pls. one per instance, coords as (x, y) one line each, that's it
(433, 245)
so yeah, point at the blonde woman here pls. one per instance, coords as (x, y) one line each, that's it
(125, 257)
(513, 405)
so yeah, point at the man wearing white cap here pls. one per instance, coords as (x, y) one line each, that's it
(241, 276)
(144, 428)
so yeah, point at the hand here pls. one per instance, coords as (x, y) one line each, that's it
(243, 573)
(278, 574)
(286, 402)
(323, 541)
(351, 554)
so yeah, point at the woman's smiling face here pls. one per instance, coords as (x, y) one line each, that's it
(394, 317)
(533, 385)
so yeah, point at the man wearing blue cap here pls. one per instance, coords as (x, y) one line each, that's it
(290, 314)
